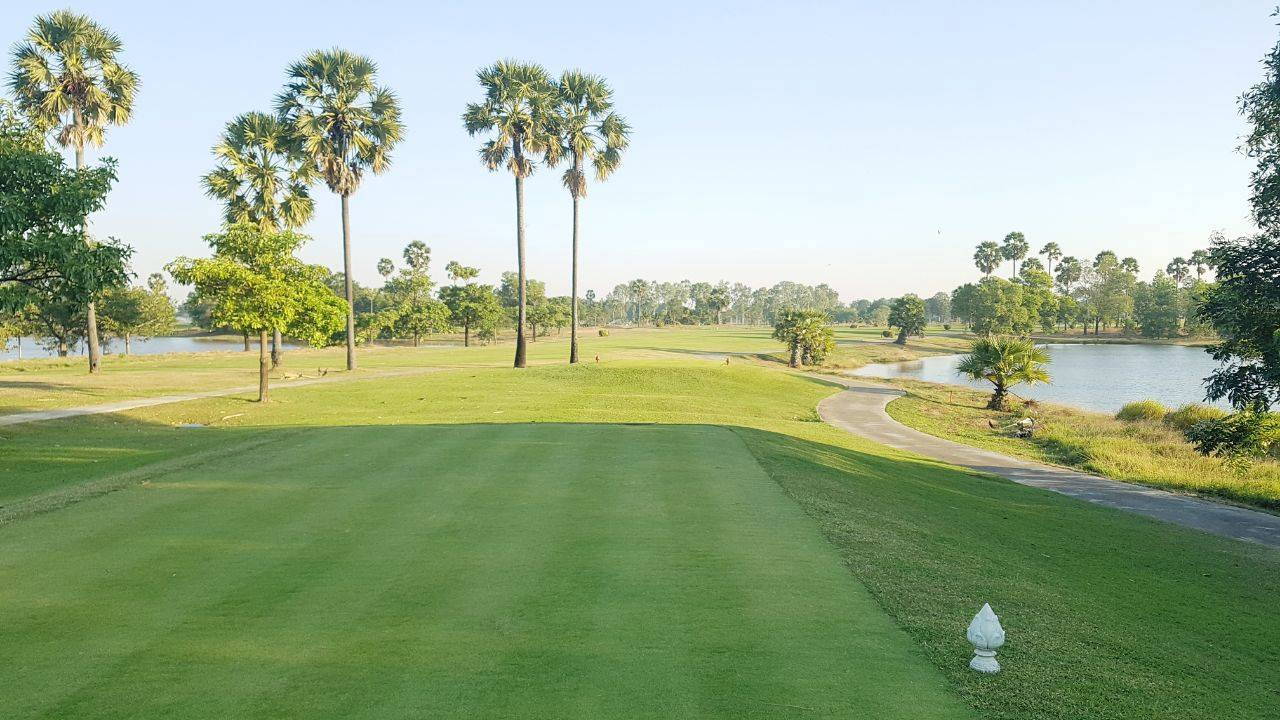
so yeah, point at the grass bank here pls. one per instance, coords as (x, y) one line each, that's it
(1143, 452)
(323, 555)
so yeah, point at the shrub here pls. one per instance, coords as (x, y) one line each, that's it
(1188, 416)
(602, 332)
(1142, 410)
(885, 333)
(1240, 436)
(946, 326)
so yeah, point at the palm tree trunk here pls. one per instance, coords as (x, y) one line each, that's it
(277, 353)
(573, 304)
(795, 355)
(997, 401)
(264, 368)
(91, 309)
(520, 313)
(350, 288)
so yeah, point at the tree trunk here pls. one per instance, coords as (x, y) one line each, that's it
(998, 397)
(415, 339)
(264, 368)
(520, 313)
(573, 304)
(902, 337)
(246, 340)
(351, 295)
(91, 309)
(62, 348)
(277, 352)
(795, 355)
(466, 335)
(533, 332)
(126, 344)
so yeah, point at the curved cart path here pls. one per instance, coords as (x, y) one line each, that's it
(860, 410)
(134, 403)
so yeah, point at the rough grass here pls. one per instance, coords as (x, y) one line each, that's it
(1142, 410)
(296, 569)
(1147, 452)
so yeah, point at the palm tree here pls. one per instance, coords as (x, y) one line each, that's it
(1004, 362)
(516, 115)
(345, 124)
(1070, 270)
(67, 77)
(385, 268)
(988, 257)
(1015, 248)
(1202, 262)
(587, 129)
(1052, 253)
(1178, 269)
(261, 178)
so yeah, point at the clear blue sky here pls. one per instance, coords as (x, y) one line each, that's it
(866, 145)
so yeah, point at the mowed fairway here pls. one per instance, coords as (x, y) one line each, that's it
(458, 570)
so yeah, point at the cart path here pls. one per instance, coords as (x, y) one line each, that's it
(860, 410)
(134, 403)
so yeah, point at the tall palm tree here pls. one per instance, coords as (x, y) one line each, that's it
(67, 77)
(261, 178)
(345, 124)
(1052, 252)
(1015, 248)
(987, 257)
(516, 115)
(1201, 261)
(587, 130)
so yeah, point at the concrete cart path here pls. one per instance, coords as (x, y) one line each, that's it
(861, 410)
(133, 403)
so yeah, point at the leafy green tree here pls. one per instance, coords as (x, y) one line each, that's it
(137, 312)
(68, 78)
(45, 262)
(587, 130)
(346, 124)
(460, 273)
(1038, 296)
(1156, 307)
(1052, 253)
(517, 117)
(253, 281)
(999, 306)
(471, 306)
(717, 301)
(417, 312)
(908, 316)
(261, 178)
(988, 257)
(1108, 292)
(547, 313)
(964, 303)
(1014, 248)
(1244, 308)
(1005, 362)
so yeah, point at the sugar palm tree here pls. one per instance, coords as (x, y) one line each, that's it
(1178, 269)
(261, 179)
(1015, 248)
(1201, 261)
(68, 78)
(587, 131)
(987, 257)
(346, 124)
(516, 116)
(1052, 252)
(1004, 362)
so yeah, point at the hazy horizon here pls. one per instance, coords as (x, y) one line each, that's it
(866, 148)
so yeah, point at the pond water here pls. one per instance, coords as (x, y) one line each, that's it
(33, 348)
(1100, 377)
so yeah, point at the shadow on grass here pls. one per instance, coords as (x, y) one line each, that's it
(1109, 614)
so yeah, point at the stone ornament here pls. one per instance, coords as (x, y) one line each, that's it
(987, 636)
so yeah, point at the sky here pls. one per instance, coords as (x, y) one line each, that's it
(866, 145)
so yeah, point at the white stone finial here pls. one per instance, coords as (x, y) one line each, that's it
(987, 636)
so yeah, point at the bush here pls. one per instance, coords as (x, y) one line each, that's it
(1241, 436)
(1142, 410)
(602, 332)
(885, 333)
(946, 326)
(1188, 416)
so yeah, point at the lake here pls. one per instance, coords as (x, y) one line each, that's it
(31, 348)
(1100, 377)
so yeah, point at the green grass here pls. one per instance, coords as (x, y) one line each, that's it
(1147, 452)
(324, 555)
